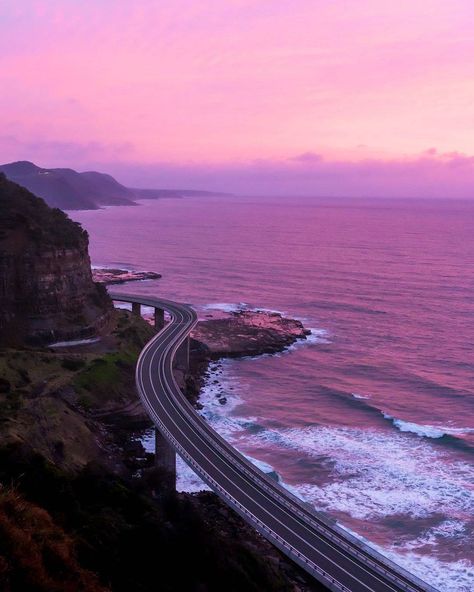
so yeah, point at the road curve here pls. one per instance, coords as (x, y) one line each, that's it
(335, 558)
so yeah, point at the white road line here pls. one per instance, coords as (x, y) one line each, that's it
(175, 333)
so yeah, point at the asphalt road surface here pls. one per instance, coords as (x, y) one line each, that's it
(311, 539)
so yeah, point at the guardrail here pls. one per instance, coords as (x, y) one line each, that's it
(323, 525)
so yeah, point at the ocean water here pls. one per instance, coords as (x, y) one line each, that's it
(372, 418)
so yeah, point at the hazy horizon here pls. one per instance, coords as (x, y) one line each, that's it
(298, 97)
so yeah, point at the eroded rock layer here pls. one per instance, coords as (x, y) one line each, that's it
(46, 288)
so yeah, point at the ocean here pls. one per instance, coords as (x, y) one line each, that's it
(372, 418)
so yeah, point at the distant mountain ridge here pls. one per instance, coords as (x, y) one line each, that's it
(160, 193)
(68, 189)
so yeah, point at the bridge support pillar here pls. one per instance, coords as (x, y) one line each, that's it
(165, 459)
(182, 355)
(136, 308)
(159, 319)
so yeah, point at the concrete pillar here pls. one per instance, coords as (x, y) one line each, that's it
(159, 319)
(165, 459)
(136, 308)
(182, 355)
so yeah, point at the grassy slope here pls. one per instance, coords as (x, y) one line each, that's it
(67, 522)
(48, 397)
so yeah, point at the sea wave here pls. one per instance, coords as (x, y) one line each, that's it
(118, 266)
(186, 479)
(240, 306)
(359, 396)
(226, 306)
(316, 337)
(445, 576)
(370, 475)
(428, 431)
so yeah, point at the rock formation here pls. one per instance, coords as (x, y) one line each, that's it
(46, 288)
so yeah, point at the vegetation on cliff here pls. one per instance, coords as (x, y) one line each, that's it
(46, 289)
(74, 513)
(21, 209)
(96, 522)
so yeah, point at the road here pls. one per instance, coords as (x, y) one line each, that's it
(318, 544)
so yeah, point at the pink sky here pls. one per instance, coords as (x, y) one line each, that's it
(245, 92)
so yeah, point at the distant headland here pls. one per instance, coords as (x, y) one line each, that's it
(68, 189)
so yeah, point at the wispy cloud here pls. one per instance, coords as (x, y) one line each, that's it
(444, 175)
(295, 95)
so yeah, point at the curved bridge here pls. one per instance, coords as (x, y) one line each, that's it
(335, 558)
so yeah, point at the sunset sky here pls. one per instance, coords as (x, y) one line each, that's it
(341, 97)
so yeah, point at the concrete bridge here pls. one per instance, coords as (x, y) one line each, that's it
(165, 453)
(340, 561)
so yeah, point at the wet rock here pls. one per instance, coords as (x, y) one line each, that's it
(120, 276)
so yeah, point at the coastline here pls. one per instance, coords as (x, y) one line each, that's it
(238, 335)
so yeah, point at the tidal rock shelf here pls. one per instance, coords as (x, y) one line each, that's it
(109, 276)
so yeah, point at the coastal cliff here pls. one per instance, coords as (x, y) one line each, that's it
(81, 506)
(46, 288)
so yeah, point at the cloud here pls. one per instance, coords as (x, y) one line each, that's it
(445, 175)
(431, 174)
(308, 157)
(61, 153)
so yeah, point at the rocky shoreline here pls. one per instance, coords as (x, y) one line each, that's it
(234, 335)
(238, 334)
(109, 276)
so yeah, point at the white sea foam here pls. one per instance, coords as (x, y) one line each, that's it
(316, 337)
(375, 474)
(269, 310)
(146, 311)
(123, 305)
(186, 479)
(445, 576)
(428, 431)
(118, 266)
(369, 475)
(75, 342)
(359, 396)
(226, 306)
(447, 529)
(240, 306)
(420, 430)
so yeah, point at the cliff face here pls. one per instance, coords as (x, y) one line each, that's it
(46, 288)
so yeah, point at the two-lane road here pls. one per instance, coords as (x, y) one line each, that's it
(315, 542)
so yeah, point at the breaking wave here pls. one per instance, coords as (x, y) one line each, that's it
(428, 431)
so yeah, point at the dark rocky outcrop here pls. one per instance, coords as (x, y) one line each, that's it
(46, 288)
(248, 333)
(236, 335)
(108, 276)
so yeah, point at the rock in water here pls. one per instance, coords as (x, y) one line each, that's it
(46, 288)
